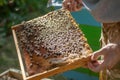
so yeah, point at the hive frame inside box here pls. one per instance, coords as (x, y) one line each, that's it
(74, 64)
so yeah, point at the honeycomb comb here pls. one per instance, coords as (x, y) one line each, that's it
(50, 44)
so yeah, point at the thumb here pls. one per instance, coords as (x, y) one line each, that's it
(97, 54)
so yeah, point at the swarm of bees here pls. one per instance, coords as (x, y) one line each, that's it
(51, 40)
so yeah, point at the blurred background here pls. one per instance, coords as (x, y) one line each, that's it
(14, 12)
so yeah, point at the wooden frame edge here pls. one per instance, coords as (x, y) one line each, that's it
(72, 65)
(19, 54)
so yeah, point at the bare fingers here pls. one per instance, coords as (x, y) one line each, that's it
(72, 5)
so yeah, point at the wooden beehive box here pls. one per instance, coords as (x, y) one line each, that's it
(11, 74)
(49, 45)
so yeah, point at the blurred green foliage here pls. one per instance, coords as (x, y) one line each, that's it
(13, 12)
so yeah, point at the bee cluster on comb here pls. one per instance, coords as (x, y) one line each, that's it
(50, 41)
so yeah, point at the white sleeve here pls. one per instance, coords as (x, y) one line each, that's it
(104, 11)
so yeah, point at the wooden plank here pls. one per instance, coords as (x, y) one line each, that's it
(73, 65)
(13, 73)
(16, 74)
(19, 54)
(4, 73)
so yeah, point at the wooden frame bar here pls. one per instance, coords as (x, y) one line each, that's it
(19, 54)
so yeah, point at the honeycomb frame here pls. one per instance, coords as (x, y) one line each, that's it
(72, 65)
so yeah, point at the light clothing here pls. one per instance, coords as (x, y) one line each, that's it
(105, 11)
(111, 34)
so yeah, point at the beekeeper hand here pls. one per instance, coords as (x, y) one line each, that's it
(111, 57)
(72, 5)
